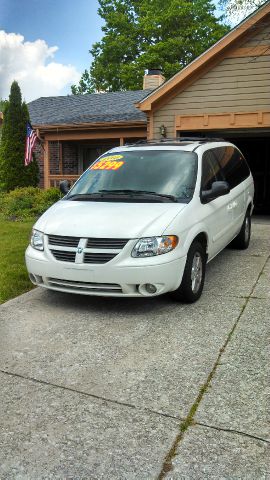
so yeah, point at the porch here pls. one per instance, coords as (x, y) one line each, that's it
(67, 155)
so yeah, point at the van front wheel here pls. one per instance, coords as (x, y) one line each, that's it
(192, 283)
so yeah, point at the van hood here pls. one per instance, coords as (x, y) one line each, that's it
(108, 219)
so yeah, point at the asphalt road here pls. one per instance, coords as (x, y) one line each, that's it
(99, 388)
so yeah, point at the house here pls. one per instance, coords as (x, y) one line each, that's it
(76, 129)
(224, 93)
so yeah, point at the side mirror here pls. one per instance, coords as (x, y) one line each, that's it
(218, 189)
(64, 186)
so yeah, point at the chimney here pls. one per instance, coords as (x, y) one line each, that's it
(153, 79)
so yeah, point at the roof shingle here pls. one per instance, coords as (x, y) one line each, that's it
(88, 108)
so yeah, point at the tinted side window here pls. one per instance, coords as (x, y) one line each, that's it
(211, 171)
(234, 165)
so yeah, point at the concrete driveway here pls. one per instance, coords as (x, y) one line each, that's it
(94, 388)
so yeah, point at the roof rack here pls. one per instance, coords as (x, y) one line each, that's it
(174, 141)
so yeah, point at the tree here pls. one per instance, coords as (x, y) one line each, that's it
(3, 104)
(147, 34)
(236, 10)
(13, 173)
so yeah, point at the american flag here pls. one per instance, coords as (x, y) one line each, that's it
(31, 138)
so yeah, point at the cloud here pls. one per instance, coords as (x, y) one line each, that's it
(32, 65)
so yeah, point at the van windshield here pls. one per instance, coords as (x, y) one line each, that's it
(169, 174)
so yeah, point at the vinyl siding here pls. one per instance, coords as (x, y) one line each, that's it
(240, 84)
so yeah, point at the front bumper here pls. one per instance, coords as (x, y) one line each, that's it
(110, 279)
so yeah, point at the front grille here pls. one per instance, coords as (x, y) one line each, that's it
(98, 257)
(84, 286)
(63, 241)
(117, 243)
(64, 256)
(67, 248)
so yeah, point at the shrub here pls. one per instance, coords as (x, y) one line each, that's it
(45, 199)
(27, 202)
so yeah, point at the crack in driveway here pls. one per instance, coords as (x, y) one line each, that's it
(91, 395)
(168, 461)
(231, 430)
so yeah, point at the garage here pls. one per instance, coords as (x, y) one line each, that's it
(256, 150)
(255, 147)
(224, 93)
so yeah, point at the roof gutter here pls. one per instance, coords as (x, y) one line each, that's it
(89, 126)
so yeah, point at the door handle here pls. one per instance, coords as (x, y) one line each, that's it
(232, 205)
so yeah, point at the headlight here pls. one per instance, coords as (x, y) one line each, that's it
(37, 240)
(150, 247)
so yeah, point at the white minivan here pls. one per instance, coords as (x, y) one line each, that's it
(144, 219)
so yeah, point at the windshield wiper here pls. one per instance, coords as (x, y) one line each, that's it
(102, 193)
(84, 196)
(141, 192)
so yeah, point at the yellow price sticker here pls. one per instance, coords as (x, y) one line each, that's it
(108, 163)
(113, 157)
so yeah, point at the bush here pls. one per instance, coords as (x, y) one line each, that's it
(27, 202)
(45, 199)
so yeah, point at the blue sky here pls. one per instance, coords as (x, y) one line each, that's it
(71, 25)
(28, 33)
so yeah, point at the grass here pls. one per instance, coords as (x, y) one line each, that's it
(14, 238)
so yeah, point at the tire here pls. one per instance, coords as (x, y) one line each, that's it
(241, 242)
(191, 289)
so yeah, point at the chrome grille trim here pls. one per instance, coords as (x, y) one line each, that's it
(100, 243)
(64, 256)
(63, 241)
(98, 257)
(58, 248)
(84, 286)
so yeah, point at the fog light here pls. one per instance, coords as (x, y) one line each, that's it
(32, 278)
(36, 279)
(39, 279)
(150, 288)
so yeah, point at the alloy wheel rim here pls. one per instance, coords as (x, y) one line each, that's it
(196, 272)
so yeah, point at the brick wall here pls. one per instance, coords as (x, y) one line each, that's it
(69, 155)
(39, 154)
(70, 159)
(54, 156)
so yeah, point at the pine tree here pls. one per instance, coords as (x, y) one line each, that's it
(13, 173)
(3, 104)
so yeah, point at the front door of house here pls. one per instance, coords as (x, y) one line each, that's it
(91, 152)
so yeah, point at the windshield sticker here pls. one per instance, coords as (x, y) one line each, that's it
(108, 163)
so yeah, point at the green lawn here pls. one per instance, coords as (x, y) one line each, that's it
(14, 238)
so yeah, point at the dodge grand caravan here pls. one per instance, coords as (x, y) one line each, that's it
(144, 219)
